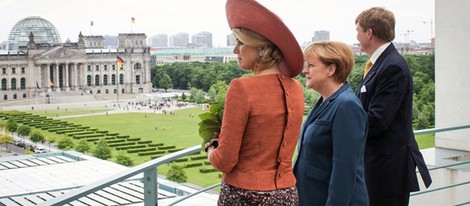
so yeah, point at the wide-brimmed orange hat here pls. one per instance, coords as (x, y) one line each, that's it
(251, 15)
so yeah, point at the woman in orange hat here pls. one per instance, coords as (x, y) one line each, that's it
(262, 114)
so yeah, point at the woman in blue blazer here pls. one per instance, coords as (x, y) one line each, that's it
(329, 167)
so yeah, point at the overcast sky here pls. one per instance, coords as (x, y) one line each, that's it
(304, 17)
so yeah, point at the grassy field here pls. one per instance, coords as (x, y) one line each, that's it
(180, 130)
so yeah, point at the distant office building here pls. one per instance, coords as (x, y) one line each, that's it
(110, 42)
(321, 35)
(231, 40)
(203, 40)
(179, 40)
(159, 41)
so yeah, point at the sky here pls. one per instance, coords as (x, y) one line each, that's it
(414, 18)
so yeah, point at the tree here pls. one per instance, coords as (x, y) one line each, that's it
(165, 82)
(123, 159)
(82, 146)
(197, 95)
(11, 125)
(6, 139)
(218, 91)
(24, 131)
(37, 136)
(102, 150)
(65, 143)
(176, 174)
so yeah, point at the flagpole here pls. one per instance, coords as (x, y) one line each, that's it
(132, 23)
(91, 27)
(117, 83)
(120, 64)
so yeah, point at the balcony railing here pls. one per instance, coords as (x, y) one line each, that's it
(149, 170)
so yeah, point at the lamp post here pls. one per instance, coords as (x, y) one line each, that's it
(430, 21)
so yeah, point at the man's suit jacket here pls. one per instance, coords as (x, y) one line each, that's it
(391, 153)
(329, 167)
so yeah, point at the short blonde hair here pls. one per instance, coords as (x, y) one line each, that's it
(333, 52)
(271, 54)
(380, 20)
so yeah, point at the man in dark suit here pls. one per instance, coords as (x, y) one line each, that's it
(386, 92)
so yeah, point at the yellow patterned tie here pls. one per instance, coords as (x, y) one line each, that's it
(367, 68)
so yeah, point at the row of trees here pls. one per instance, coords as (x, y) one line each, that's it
(211, 79)
(100, 149)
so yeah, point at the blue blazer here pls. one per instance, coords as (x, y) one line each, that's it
(329, 167)
(391, 153)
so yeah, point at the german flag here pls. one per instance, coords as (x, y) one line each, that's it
(119, 61)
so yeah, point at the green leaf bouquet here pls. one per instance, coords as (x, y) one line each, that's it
(211, 122)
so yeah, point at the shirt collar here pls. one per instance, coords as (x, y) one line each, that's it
(378, 52)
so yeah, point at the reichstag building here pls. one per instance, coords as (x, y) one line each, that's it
(37, 64)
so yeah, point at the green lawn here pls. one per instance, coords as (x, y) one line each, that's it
(180, 130)
(425, 141)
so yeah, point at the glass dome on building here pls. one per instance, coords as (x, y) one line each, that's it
(43, 31)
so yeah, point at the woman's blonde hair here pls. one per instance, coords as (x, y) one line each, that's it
(270, 53)
(333, 52)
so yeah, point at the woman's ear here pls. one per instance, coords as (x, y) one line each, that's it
(331, 69)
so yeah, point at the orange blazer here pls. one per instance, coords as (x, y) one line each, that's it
(260, 129)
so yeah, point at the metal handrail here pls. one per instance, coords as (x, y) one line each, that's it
(435, 130)
(150, 181)
(194, 194)
(445, 129)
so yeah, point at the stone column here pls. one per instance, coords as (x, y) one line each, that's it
(48, 78)
(56, 78)
(67, 77)
(74, 76)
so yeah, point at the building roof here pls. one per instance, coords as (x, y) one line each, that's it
(34, 179)
(43, 31)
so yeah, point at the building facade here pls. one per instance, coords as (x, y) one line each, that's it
(452, 73)
(84, 67)
(202, 39)
(322, 35)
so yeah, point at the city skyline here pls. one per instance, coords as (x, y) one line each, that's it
(415, 19)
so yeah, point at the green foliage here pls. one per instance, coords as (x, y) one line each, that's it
(176, 173)
(164, 82)
(65, 143)
(11, 125)
(6, 139)
(24, 130)
(196, 95)
(28, 151)
(217, 92)
(197, 74)
(210, 123)
(37, 136)
(123, 159)
(102, 150)
(82, 146)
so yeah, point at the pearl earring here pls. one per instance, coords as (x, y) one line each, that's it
(261, 53)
